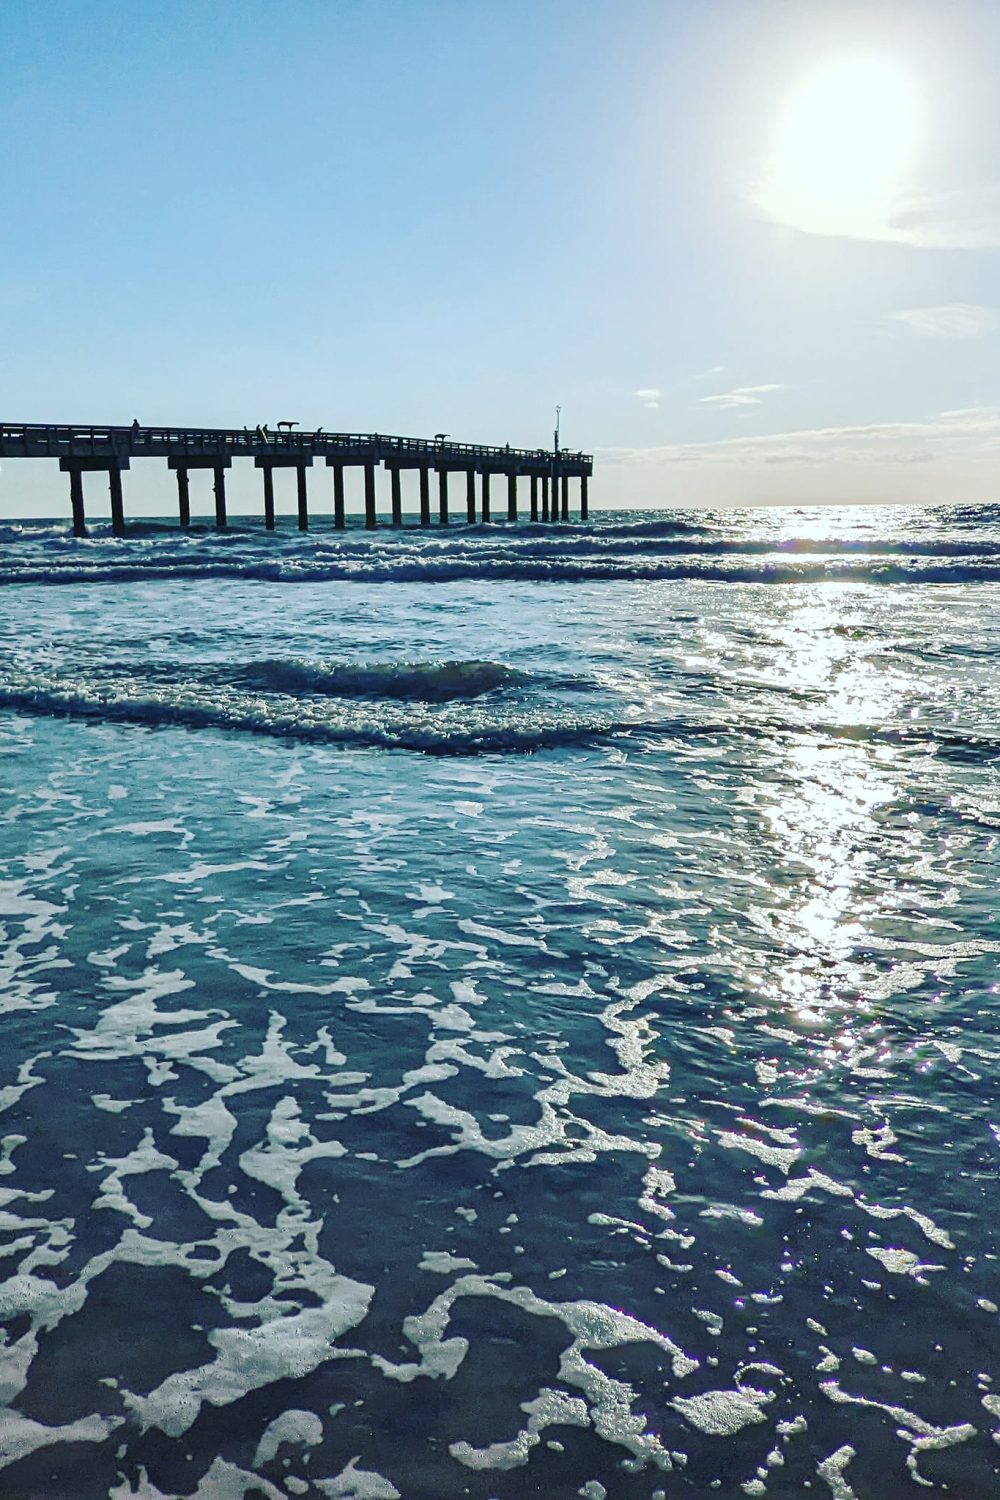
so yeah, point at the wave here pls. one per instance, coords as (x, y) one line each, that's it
(448, 729)
(523, 734)
(425, 682)
(376, 569)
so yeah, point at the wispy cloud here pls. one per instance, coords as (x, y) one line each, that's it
(956, 453)
(964, 219)
(743, 395)
(650, 397)
(955, 320)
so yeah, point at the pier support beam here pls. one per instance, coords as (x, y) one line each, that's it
(512, 496)
(565, 498)
(269, 497)
(76, 500)
(183, 498)
(182, 465)
(219, 487)
(486, 495)
(117, 500)
(534, 497)
(442, 497)
(425, 496)
(584, 509)
(76, 466)
(545, 497)
(470, 496)
(397, 497)
(371, 520)
(339, 518)
(301, 497)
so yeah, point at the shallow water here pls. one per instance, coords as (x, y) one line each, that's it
(504, 1014)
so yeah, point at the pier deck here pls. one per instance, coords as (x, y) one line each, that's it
(110, 450)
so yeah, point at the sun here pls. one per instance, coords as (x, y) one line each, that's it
(845, 138)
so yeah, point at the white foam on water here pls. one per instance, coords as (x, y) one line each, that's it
(549, 1408)
(722, 1413)
(227, 1481)
(353, 1483)
(144, 1489)
(901, 1262)
(21, 986)
(591, 1326)
(20, 1436)
(921, 1435)
(111, 1106)
(992, 1405)
(283, 1348)
(300, 1429)
(831, 1471)
(443, 1263)
(782, 1157)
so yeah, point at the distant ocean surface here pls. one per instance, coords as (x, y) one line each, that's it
(502, 1013)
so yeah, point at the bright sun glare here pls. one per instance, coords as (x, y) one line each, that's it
(845, 138)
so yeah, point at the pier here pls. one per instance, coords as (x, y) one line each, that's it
(110, 450)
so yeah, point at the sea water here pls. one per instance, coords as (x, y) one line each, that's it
(503, 1012)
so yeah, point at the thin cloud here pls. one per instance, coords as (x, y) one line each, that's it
(965, 219)
(650, 397)
(947, 434)
(931, 461)
(955, 320)
(742, 395)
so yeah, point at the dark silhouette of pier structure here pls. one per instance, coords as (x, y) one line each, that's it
(110, 450)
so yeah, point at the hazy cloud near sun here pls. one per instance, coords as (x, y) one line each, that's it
(742, 395)
(954, 320)
(964, 219)
(650, 397)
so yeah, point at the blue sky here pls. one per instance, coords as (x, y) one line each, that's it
(423, 215)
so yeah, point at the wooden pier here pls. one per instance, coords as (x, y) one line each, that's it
(110, 450)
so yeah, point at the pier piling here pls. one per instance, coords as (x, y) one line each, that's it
(183, 498)
(301, 497)
(534, 497)
(512, 496)
(76, 500)
(470, 496)
(339, 518)
(584, 507)
(565, 498)
(442, 497)
(268, 497)
(396, 495)
(219, 487)
(117, 500)
(545, 497)
(425, 496)
(371, 520)
(486, 495)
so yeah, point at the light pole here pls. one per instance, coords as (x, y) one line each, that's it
(556, 435)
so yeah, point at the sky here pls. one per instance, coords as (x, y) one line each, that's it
(750, 247)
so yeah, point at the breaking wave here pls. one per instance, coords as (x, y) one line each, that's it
(934, 547)
(383, 570)
(427, 709)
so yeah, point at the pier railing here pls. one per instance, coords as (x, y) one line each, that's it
(44, 440)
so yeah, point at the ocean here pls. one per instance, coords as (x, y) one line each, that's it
(499, 1013)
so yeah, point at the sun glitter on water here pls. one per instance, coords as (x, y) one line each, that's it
(845, 138)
